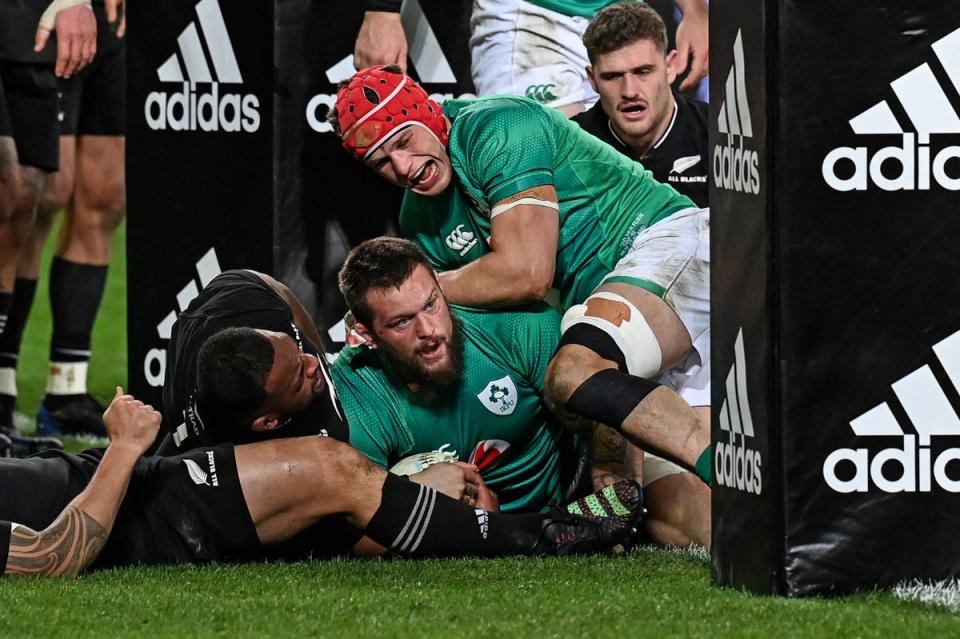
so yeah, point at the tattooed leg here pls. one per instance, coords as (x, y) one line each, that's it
(64, 549)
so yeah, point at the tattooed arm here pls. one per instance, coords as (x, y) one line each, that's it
(72, 542)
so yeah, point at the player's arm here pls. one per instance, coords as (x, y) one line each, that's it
(520, 266)
(381, 39)
(693, 41)
(76, 28)
(74, 540)
(300, 316)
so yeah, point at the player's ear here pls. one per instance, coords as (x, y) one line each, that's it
(672, 66)
(593, 81)
(263, 423)
(365, 335)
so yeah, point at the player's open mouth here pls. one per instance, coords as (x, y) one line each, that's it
(432, 352)
(633, 111)
(426, 177)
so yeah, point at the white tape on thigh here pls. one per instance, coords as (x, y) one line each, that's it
(49, 18)
(633, 336)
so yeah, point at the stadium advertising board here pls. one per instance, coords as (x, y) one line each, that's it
(864, 314)
(199, 126)
(745, 509)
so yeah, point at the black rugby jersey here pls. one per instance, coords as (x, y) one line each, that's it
(681, 158)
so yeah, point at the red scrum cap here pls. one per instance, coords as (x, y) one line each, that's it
(380, 101)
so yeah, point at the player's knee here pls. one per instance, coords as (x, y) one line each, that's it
(611, 326)
(103, 206)
(56, 193)
(567, 371)
(337, 462)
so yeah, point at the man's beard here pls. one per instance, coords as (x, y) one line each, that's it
(413, 370)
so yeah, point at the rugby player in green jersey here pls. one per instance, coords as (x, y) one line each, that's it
(509, 199)
(434, 382)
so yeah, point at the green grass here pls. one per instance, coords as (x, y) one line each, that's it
(108, 365)
(650, 593)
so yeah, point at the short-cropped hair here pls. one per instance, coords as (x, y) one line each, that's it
(621, 24)
(383, 262)
(232, 370)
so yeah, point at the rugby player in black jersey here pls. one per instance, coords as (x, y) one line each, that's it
(638, 112)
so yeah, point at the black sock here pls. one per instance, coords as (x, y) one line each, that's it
(5, 300)
(19, 310)
(417, 521)
(75, 294)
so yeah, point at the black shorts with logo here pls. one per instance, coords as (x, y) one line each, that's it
(93, 102)
(29, 112)
(183, 509)
(187, 508)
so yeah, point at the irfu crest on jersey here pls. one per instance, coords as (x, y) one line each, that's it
(499, 396)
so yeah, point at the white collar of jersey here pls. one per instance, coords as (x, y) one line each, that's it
(663, 137)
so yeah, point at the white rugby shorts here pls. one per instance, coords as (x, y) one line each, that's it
(519, 48)
(674, 256)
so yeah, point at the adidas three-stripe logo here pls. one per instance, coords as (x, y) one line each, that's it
(734, 167)
(411, 535)
(192, 51)
(737, 464)
(931, 414)
(928, 111)
(192, 109)
(155, 362)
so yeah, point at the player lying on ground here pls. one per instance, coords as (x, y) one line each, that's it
(433, 381)
(228, 503)
(509, 198)
(75, 538)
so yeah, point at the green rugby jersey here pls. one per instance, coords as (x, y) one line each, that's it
(502, 145)
(495, 411)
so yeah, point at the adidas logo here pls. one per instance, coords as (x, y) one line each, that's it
(736, 464)
(155, 362)
(425, 55)
(189, 109)
(736, 168)
(917, 469)
(460, 240)
(928, 110)
(483, 521)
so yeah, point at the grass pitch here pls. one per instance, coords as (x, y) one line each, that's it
(648, 593)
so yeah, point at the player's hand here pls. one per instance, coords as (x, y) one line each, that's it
(131, 423)
(486, 498)
(458, 480)
(380, 41)
(693, 46)
(114, 9)
(76, 28)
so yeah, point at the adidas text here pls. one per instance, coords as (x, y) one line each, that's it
(188, 110)
(736, 168)
(908, 167)
(737, 466)
(918, 469)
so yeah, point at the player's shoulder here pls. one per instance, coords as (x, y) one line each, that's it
(470, 116)
(505, 325)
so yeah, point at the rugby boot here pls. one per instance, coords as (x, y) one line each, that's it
(595, 523)
(82, 416)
